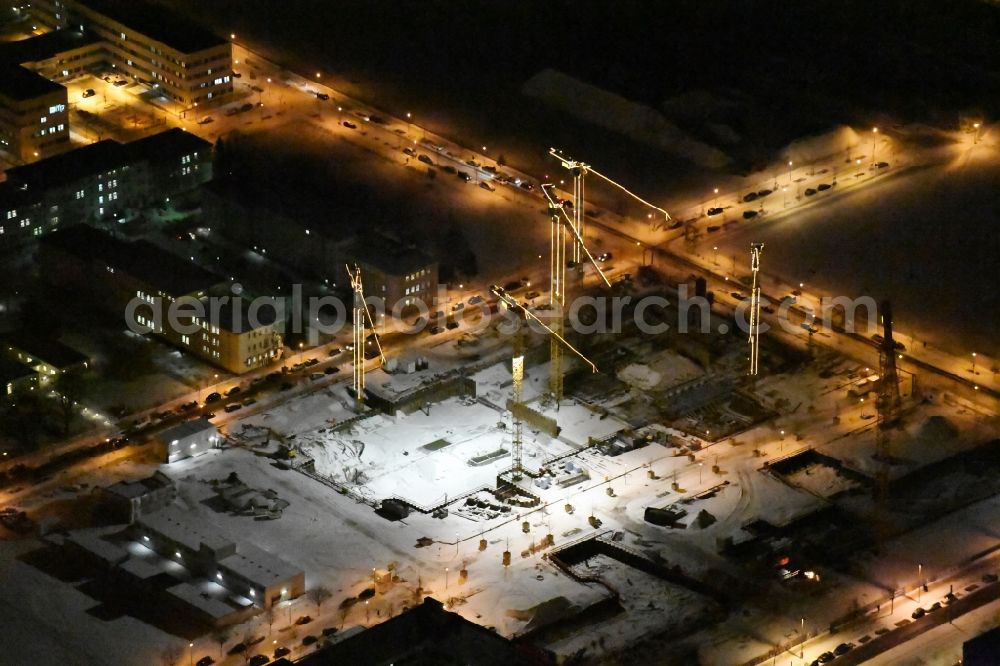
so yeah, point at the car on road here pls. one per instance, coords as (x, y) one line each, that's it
(749, 214)
(823, 187)
(750, 197)
(464, 176)
(259, 660)
(843, 649)
(281, 652)
(212, 397)
(882, 165)
(763, 193)
(410, 152)
(826, 657)
(349, 125)
(713, 211)
(489, 187)
(334, 351)
(89, 92)
(322, 96)
(205, 661)
(525, 185)
(120, 82)
(332, 370)
(604, 256)
(425, 159)
(447, 168)
(232, 407)
(810, 191)
(917, 614)
(378, 120)
(206, 120)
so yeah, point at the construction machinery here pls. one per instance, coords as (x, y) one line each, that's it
(517, 369)
(755, 251)
(361, 314)
(560, 221)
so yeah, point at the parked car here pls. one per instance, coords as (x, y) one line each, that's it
(451, 325)
(749, 214)
(763, 193)
(713, 211)
(322, 96)
(205, 661)
(121, 82)
(349, 125)
(206, 120)
(488, 186)
(810, 191)
(259, 660)
(823, 187)
(89, 92)
(750, 197)
(246, 107)
(332, 370)
(212, 397)
(917, 614)
(989, 578)
(826, 657)
(843, 649)
(447, 168)
(281, 652)
(410, 152)
(233, 391)
(232, 407)
(425, 159)
(604, 256)
(464, 176)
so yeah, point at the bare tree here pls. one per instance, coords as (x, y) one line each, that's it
(221, 636)
(319, 595)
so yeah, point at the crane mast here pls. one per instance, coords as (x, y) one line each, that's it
(361, 314)
(755, 251)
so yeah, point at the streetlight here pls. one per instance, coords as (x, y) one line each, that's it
(715, 202)
(789, 171)
(975, 135)
(874, 139)
(920, 578)
(446, 578)
(802, 650)
(973, 363)
(700, 466)
(784, 197)
(715, 257)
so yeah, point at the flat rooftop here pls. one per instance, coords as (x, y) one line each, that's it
(11, 371)
(45, 46)
(48, 350)
(386, 254)
(158, 23)
(141, 259)
(19, 84)
(186, 429)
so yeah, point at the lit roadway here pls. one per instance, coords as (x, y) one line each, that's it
(288, 96)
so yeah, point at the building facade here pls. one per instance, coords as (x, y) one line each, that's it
(142, 283)
(101, 182)
(16, 378)
(189, 439)
(34, 117)
(152, 45)
(47, 358)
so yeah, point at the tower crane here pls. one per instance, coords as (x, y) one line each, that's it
(888, 402)
(580, 171)
(517, 371)
(557, 283)
(360, 315)
(755, 251)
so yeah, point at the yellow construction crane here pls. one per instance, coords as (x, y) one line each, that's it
(517, 370)
(557, 282)
(360, 315)
(580, 171)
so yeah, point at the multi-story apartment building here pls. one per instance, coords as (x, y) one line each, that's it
(399, 274)
(186, 62)
(34, 121)
(106, 180)
(142, 283)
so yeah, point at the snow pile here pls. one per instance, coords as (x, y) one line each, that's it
(614, 112)
(639, 376)
(822, 146)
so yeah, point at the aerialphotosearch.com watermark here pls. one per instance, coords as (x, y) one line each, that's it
(316, 317)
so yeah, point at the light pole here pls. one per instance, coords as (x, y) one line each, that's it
(973, 363)
(874, 140)
(700, 466)
(920, 578)
(715, 256)
(190, 654)
(715, 202)
(409, 123)
(789, 172)
(446, 578)
(802, 650)
(975, 135)
(784, 197)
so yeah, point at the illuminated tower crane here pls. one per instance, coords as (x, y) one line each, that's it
(517, 370)
(360, 315)
(557, 283)
(580, 171)
(755, 252)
